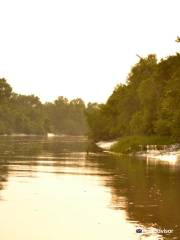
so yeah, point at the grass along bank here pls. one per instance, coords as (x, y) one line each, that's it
(134, 144)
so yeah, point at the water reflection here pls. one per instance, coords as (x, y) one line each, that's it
(65, 189)
(3, 175)
(149, 193)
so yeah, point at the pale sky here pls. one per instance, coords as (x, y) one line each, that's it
(81, 48)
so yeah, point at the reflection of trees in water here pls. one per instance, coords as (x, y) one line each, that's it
(68, 144)
(25, 152)
(56, 146)
(3, 174)
(13, 151)
(32, 146)
(149, 193)
(11, 146)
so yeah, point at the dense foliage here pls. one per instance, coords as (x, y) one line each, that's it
(26, 114)
(148, 104)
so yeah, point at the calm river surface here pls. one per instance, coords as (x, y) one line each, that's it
(63, 188)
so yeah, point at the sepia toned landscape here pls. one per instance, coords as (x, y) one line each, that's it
(89, 120)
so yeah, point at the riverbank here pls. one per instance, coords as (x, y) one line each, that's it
(155, 147)
(49, 135)
(106, 145)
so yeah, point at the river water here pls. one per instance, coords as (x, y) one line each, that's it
(64, 188)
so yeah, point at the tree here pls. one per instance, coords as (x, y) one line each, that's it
(5, 90)
(147, 104)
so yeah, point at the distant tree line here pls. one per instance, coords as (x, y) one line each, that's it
(147, 104)
(26, 114)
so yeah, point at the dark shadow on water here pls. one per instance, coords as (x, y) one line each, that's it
(148, 192)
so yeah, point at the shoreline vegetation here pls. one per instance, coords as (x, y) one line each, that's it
(145, 111)
(142, 113)
(133, 144)
(149, 147)
(26, 115)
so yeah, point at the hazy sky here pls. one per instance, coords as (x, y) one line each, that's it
(80, 48)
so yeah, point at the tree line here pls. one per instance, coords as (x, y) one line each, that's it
(26, 114)
(147, 104)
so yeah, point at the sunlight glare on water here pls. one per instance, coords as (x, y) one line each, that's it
(55, 190)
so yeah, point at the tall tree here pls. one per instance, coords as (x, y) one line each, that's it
(5, 90)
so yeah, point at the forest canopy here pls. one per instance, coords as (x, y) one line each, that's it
(147, 104)
(26, 114)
